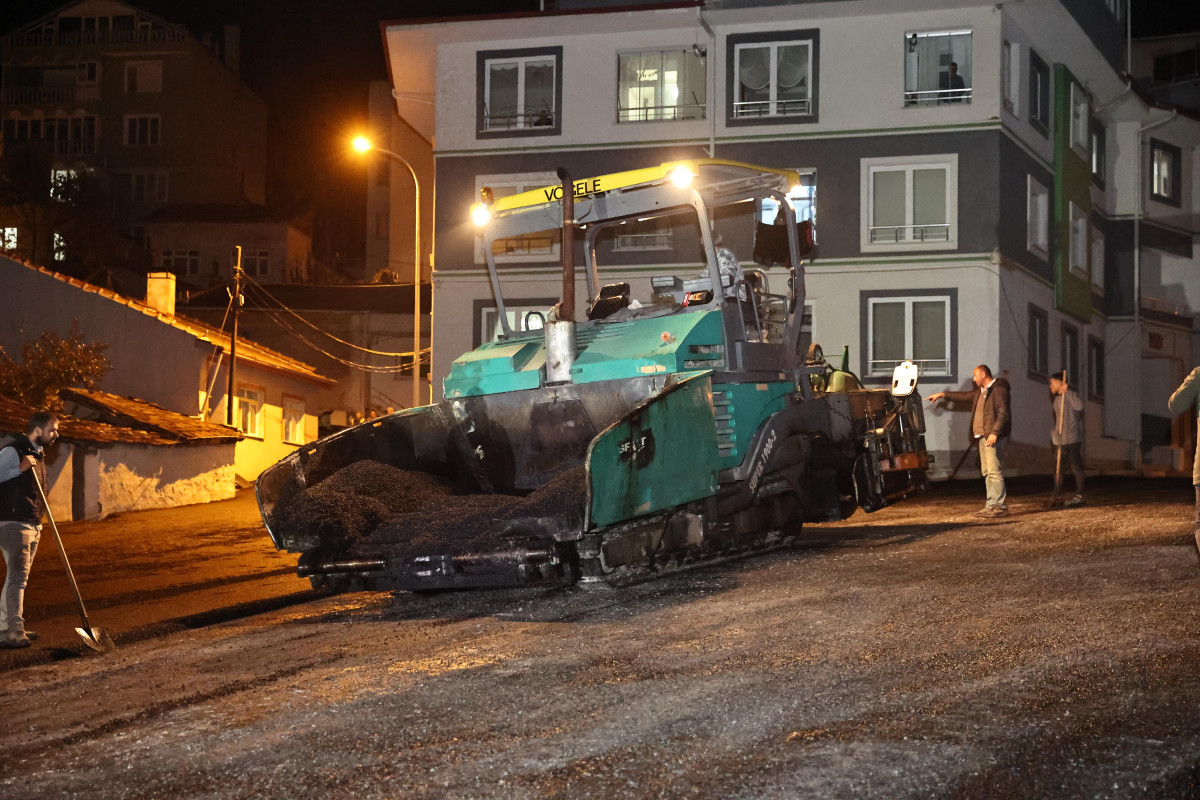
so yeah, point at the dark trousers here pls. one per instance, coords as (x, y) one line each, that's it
(1070, 454)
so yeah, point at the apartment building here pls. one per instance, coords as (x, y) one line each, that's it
(157, 115)
(986, 185)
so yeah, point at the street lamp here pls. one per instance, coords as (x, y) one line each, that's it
(362, 144)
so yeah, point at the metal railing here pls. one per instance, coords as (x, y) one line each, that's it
(773, 108)
(642, 241)
(57, 39)
(933, 97)
(76, 147)
(1165, 306)
(925, 366)
(661, 113)
(906, 234)
(528, 120)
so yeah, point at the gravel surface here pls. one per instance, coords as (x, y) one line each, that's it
(917, 652)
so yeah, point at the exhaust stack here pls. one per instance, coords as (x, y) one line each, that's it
(560, 328)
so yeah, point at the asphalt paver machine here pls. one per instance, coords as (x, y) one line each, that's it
(683, 418)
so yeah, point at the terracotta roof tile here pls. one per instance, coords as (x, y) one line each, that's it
(14, 415)
(129, 412)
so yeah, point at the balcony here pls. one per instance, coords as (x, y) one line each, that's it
(76, 147)
(926, 366)
(660, 113)
(753, 109)
(531, 120)
(55, 39)
(937, 97)
(49, 95)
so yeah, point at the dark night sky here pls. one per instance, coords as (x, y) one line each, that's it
(310, 61)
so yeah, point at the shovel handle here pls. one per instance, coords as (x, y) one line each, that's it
(62, 551)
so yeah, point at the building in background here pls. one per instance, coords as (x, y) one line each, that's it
(986, 185)
(157, 116)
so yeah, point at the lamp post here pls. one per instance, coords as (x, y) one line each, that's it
(362, 144)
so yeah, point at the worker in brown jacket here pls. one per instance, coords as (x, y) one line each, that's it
(991, 424)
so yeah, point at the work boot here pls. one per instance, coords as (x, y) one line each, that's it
(999, 511)
(1075, 502)
(32, 635)
(14, 640)
(986, 511)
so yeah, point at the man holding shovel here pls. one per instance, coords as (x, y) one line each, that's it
(21, 510)
(1067, 438)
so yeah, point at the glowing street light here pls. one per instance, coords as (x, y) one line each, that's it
(364, 145)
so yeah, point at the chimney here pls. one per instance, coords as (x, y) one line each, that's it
(160, 292)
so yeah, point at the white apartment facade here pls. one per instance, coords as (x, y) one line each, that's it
(958, 223)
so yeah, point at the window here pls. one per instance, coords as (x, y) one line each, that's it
(1010, 77)
(142, 130)
(148, 187)
(661, 85)
(937, 68)
(180, 262)
(1038, 219)
(1177, 66)
(773, 76)
(519, 92)
(1164, 172)
(803, 197)
(293, 420)
(916, 327)
(1095, 368)
(1081, 129)
(61, 183)
(255, 263)
(910, 202)
(1038, 343)
(537, 246)
(1070, 353)
(87, 73)
(1078, 254)
(143, 77)
(520, 318)
(1097, 261)
(248, 410)
(59, 244)
(1099, 152)
(8, 238)
(643, 235)
(1039, 93)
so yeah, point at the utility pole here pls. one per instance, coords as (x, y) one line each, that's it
(237, 304)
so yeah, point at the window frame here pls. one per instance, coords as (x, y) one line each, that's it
(1096, 247)
(1095, 369)
(1039, 93)
(868, 298)
(153, 76)
(1037, 200)
(9, 237)
(1080, 122)
(1099, 153)
(522, 182)
(260, 258)
(241, 397)
(1173, 195)
(733, 42)
(1078, 251)
(941, 95)
(1038, 347)
(483, 58)
(485, 312)
(701, 57)
(869, 167)
(153, 130)
(1010, 77)
(161, 187)
(169, 259)
(288, 406)
(1069, 352)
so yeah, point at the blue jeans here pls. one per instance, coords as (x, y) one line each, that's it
(19, 542)
(991, 464)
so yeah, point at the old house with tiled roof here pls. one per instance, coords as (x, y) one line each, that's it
(177, 363)
(115, 454)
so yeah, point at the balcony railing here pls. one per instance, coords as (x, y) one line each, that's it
(877, 368)
(909, 234)
(933, 97)
(513, 122)
(46, 95)
(56, 39)
(660, 113)
(76, 147)
(1165, 306)
(642, 241)
(773, 108)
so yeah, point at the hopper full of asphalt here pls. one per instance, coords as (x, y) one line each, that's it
(370, 506)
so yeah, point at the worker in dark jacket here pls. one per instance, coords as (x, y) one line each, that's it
(1187, 399)
(991, 424)
(21, 511)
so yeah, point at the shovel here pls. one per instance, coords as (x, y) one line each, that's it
(1058, 476)
(94, 638)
